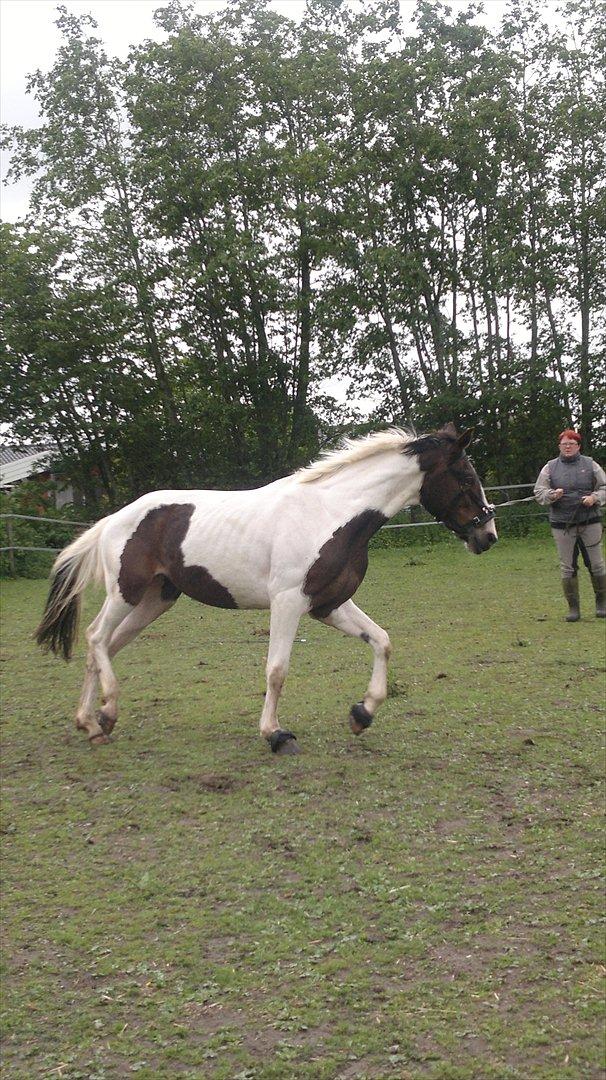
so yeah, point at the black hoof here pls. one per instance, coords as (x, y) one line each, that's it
(359, 718)
(106, 723)
(283, 742)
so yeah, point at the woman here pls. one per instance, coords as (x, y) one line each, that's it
(574, 488)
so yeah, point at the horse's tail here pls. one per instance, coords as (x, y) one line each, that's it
(73, 568)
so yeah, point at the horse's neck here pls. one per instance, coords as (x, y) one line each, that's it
(385, 482)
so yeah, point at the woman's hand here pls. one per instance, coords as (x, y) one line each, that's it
(557, 494)
(589, 500)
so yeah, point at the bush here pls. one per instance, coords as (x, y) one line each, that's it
(32, 499)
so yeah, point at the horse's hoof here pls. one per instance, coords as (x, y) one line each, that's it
(98, 739)
(107, 723)
(359, 718)
(289, 747)
(283, 742)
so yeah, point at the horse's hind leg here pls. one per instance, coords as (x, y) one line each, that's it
(86, 719)
(98, 667)
(351, 620)
(158, 598)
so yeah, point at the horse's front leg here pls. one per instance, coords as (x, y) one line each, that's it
(351, 620)
(286, 610)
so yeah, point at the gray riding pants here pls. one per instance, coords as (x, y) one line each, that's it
(589, 538)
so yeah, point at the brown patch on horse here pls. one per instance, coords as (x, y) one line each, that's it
(156, 547)
(446, 469)
(341, 564)
(437, 451)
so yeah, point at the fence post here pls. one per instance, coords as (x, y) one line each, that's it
(11, 551)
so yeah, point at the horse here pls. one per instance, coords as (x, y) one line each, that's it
(297, 546)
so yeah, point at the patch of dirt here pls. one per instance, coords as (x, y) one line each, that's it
(488, 660)
(264, 1040)
(214, 782)
(448, 827)
(363, 1067)
(277, 844)
(202, 782)
(212, 1016)
(291, 877)
(349, 885)
(453, 960)
(477, 956)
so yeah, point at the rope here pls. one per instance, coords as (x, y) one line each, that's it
(507, 487)
(514, 502)
(498, 506)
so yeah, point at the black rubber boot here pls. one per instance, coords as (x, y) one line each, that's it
(599, 587)
(570, 586)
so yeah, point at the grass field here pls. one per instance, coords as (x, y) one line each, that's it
(424, 901)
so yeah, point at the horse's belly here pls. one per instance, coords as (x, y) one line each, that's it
(227, 577)
(200, 585)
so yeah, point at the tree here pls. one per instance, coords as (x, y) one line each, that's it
(253, 205)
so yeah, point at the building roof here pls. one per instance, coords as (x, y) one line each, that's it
(18, 464)
(12, 453)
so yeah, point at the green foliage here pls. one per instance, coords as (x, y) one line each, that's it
(34, 499)
(253, 205)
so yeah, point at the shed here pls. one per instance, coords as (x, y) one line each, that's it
(19, 463)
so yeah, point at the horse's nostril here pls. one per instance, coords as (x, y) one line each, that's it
(492, 539)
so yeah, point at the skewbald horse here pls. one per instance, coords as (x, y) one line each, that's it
(296, 546)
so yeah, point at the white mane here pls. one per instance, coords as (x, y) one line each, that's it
(353, 450)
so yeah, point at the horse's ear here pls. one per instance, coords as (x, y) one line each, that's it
(450, 429)
(465, 438)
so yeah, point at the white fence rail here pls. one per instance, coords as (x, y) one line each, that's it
(12, 547)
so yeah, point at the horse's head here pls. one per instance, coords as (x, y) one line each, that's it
(451, 489)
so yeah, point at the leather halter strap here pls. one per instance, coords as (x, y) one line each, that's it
(487, 513)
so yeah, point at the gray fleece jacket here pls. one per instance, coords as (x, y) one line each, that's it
(577, 476)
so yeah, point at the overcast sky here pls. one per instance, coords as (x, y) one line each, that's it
(29, 40)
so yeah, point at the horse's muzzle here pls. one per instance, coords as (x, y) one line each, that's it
(480, 540)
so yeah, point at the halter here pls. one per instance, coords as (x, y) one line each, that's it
(487, 513)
